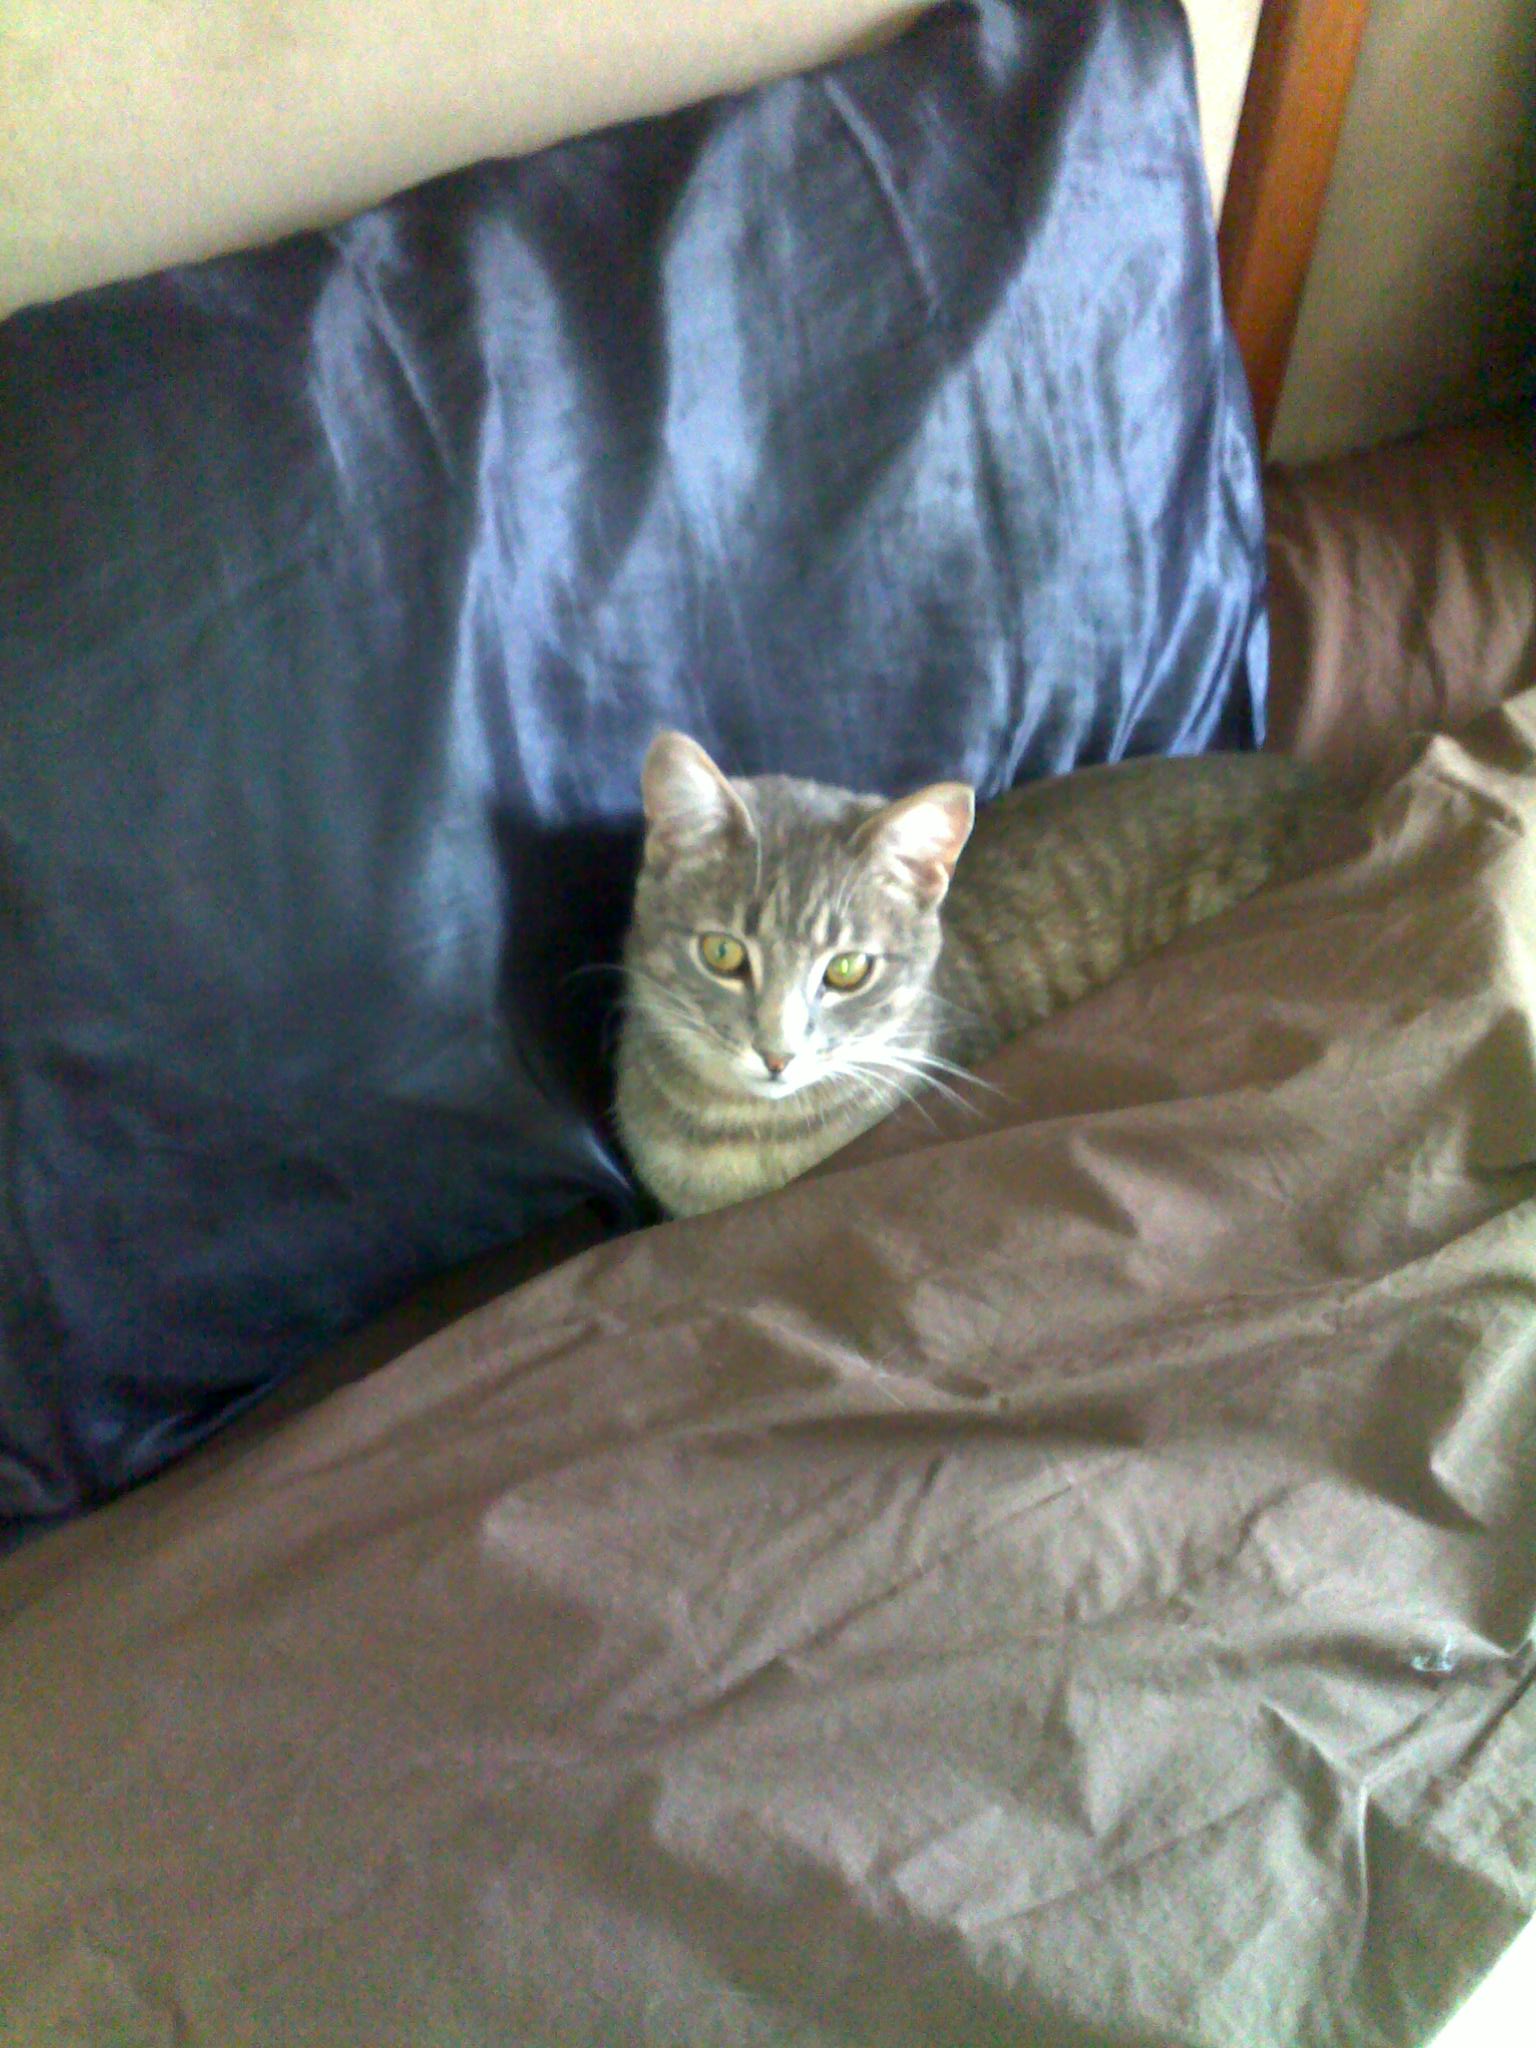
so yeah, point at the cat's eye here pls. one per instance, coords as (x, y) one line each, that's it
(723, 955)
(847, 970)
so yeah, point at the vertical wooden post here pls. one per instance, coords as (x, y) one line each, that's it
(1303, 61)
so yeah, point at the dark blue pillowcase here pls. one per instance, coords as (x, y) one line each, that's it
(879, 425)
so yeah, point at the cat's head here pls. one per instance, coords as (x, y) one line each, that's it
(785, 932)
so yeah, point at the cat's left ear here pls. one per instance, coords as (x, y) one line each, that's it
(919, 839)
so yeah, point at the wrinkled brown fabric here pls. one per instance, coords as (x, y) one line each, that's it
(1402, 591)
(1062, 1575)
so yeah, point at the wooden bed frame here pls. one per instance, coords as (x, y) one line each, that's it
(1304, 59)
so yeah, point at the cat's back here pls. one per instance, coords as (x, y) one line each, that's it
(1068, 880)
(1216, 802)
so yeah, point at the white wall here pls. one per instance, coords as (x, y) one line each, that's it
(1421, 301)
(135, 134)
(1223, 32)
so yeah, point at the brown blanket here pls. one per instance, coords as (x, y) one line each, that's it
(1063, 1575)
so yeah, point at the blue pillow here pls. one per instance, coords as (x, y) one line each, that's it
(879, 425)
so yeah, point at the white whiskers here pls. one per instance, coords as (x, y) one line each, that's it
(903, 1073)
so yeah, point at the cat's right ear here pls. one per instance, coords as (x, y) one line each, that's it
(919, 839)
(689, 804)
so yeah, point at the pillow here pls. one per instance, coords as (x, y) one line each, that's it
(877, 426)
(1402, 591)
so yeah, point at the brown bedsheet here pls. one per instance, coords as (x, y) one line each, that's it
(1062, 1575)
(1402, 590)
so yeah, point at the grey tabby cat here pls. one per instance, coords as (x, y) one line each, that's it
(801, 957)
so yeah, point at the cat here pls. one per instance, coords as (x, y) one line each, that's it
(800, 957)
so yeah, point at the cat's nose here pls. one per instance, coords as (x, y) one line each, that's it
(775, 1062)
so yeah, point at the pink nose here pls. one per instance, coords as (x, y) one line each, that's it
(775, 1062)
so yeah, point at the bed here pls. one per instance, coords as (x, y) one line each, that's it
(1060, 1574)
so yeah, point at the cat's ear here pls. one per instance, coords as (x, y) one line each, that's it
(688, 802)
(919, 839)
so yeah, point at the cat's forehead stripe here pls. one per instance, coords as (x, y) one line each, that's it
(802, 909)
(778, 913)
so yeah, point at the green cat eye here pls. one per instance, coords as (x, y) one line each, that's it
(847, 970)
(723, 955)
